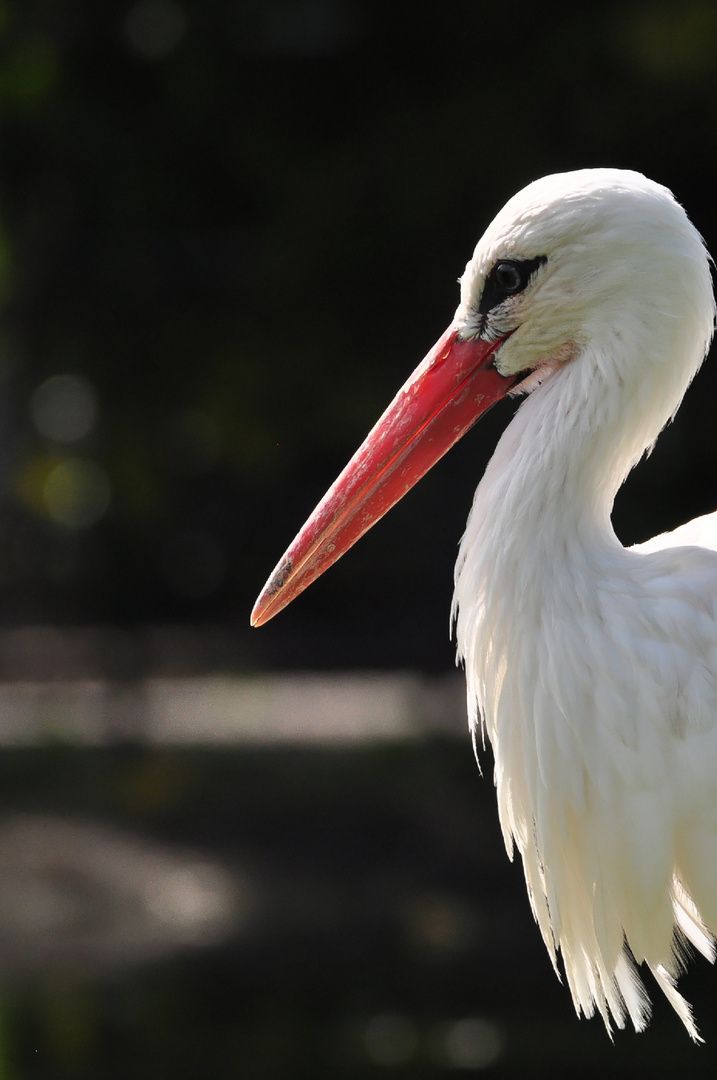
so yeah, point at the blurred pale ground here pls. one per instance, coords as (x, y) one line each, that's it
(228, 230)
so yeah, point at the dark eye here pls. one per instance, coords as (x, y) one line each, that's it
(507, 278)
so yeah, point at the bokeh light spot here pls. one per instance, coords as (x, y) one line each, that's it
(442, 924)
(64, 408)
(77, 493)
(473, 1043)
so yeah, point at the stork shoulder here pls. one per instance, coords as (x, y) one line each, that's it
(700, 532)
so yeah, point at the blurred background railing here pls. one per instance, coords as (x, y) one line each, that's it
(55, 685)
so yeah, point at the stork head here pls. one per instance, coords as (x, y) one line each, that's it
(573, 261)
(580, 257)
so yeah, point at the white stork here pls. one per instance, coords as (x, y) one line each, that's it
(591, 668)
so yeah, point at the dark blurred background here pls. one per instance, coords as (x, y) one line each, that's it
(228, 231)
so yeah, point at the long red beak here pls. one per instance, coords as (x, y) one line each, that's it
(454, 385)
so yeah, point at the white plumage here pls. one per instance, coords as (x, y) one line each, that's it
(593, 669)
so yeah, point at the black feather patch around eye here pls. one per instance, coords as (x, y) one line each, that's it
(507, 278)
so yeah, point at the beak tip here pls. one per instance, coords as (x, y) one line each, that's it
(262, 610)
(260, 614)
